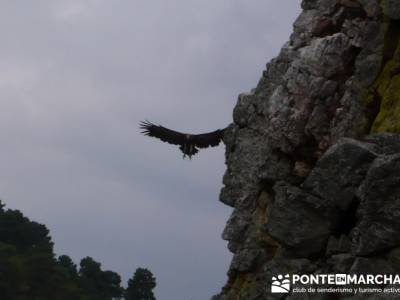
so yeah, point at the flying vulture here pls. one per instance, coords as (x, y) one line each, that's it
(188, 143)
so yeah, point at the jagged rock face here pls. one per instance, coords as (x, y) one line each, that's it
(312, 189)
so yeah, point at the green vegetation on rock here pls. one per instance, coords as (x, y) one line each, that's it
(387, 84)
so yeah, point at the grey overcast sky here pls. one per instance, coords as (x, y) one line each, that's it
(76, 77)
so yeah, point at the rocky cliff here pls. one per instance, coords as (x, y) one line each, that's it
(313, 155)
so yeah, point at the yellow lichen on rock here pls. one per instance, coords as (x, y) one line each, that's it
(388, 119)
(387, 86)
(241, 286)
(264, 240)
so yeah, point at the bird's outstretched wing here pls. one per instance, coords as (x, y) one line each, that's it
(210, 139)
(162, 133)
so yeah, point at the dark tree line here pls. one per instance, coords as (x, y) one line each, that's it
(29, 269)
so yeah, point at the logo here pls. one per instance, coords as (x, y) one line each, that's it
(347, 284)
(280, 284)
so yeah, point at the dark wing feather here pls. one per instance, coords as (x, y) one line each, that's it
(162, 133)
(210, 139)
